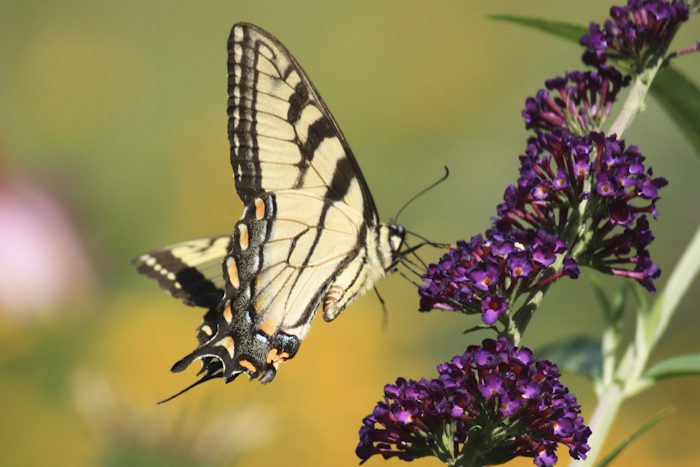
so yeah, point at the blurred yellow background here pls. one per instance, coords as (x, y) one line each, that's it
(117, 111)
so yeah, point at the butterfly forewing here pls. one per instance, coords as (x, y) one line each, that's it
(281, 133)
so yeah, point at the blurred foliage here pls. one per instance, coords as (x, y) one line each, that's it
(119, 109)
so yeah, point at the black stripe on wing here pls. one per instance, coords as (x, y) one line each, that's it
(182, 280)
(242, 131)
(339, 187)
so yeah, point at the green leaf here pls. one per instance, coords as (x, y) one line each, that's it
(646, 426)
(680, 365)
(564, 30)
(479, 327)
(578, 354)
(678, 283)
(680, 98)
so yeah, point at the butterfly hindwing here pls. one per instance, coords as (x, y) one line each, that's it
(190, 271)
(280, 265)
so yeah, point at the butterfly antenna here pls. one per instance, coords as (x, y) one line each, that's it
(422, 192)
(426, 240)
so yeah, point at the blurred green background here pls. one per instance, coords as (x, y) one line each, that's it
(116, 111)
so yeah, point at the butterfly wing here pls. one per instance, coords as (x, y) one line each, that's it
(282, 134)
(190, 271)
(308, 212)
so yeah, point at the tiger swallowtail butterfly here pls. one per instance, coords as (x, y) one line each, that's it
(309, 233)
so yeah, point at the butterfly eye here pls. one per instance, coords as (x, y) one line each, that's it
(397, 231)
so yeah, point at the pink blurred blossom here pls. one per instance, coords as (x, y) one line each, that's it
(43, 264)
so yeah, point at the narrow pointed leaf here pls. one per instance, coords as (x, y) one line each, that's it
(569, 31)
(478, 327)
(680, 365)
(646, 426)
(677, 285)
(680, 98)
(579, 354)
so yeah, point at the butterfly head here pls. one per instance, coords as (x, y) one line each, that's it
(391, 240)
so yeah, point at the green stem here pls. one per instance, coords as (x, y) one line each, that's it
(635, 100)
(601, 422)
(629, 378)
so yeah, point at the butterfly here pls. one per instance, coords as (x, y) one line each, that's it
(309, 232)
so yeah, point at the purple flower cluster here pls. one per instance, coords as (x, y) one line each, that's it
(635, 32)
(580, 194)
(559, 172)
(489, 405)
(481, 275)
(579, 102)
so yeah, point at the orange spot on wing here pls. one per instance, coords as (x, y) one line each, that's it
(247, 365)
(243, 236)
(259, 304)
(228, 315)
(228, 344)
(269, 326)
(259, 208)
(272, 356)
(232, 268)
(276, 358)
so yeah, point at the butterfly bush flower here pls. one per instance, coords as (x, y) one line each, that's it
(580, 101)
(559, 173)
(635, 33)
(485, 274)
(491, 404)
